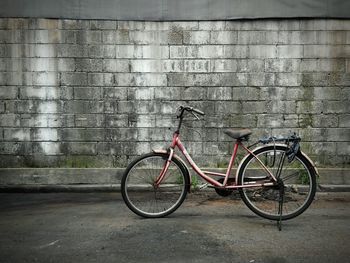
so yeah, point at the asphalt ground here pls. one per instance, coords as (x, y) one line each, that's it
(98, 227)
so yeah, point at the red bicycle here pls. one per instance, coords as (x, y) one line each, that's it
(276, 180)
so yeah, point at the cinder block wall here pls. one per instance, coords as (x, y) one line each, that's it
(97, 93)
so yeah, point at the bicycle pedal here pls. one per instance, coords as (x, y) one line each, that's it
(203, 186)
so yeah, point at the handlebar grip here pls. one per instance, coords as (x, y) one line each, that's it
(198, 111)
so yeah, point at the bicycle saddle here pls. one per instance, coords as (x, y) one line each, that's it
(242, 134)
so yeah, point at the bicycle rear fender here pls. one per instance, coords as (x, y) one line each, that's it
(184, 166)
(312, 164)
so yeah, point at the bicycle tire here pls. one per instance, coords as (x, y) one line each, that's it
(299, 180)
(139, 193)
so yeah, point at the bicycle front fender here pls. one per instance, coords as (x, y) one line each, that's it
(182, 162)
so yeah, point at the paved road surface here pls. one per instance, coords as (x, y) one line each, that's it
(97, 227)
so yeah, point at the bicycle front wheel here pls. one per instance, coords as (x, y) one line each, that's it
(297, 178)
(141, 194)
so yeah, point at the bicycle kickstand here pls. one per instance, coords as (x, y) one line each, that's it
(280, 207)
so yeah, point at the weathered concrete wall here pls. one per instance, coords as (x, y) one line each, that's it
(98, 93)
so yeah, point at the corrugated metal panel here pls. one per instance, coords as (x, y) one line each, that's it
(164, 10)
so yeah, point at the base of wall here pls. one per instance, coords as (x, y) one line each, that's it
(108, 179)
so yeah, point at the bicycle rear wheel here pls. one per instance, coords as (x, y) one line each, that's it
(298, 179)
(143, 197)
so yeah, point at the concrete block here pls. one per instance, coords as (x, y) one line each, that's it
(337, 24)
(8, 92)
(326, 51)
(277, 121)
(196, 65)
(68, 36)
(178, 93)
(71, 51)
(226, 107)
(344, 120)
(45, 78)
(141, 93)
(141, 65)
(37, 106)
(318, 107)
(282, 65)
(113, 65)
(261, 79)
(288, 79)
(103, 24)
(81, 148)
(74, 79)
(157, 26)
(251, 65)
(97, 51)
(129, 51)
(88, 65)
(116, 37)
(324, 120)
(184, 25)
(14, 148)
(211, 51)
(327, 93)
(290, 51)
(65, 64)
(88, 93)
(255, 107)
(224, 65)
(115, 93)
(74, 24)
(266, 93)
(262, 51)
(89, 120)
(342, 148)
(47, 148)
(120, 120)
(121, 134)
(145, 120)
(137, 79)
(40, 64)
(323, 79)
(16, 134)
(220, 93)
(223, 37)
(317, 65)
(82, 134)
(109, 51)
(58, 120)
(235, 51)
(212, 25)
(183, 51)
(130, 25)
(41, 93)
(44, 134)
(147, 37)
(196, 37)
(245, 93)
(43, 23)
(2, 107)
(81, 106)
(257, 37)
(9, 120)
(218, 79)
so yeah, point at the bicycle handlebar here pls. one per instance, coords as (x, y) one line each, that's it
(190, 109)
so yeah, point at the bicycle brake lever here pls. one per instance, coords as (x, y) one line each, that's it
(195, 115)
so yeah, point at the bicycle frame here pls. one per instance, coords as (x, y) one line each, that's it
(176, 142)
